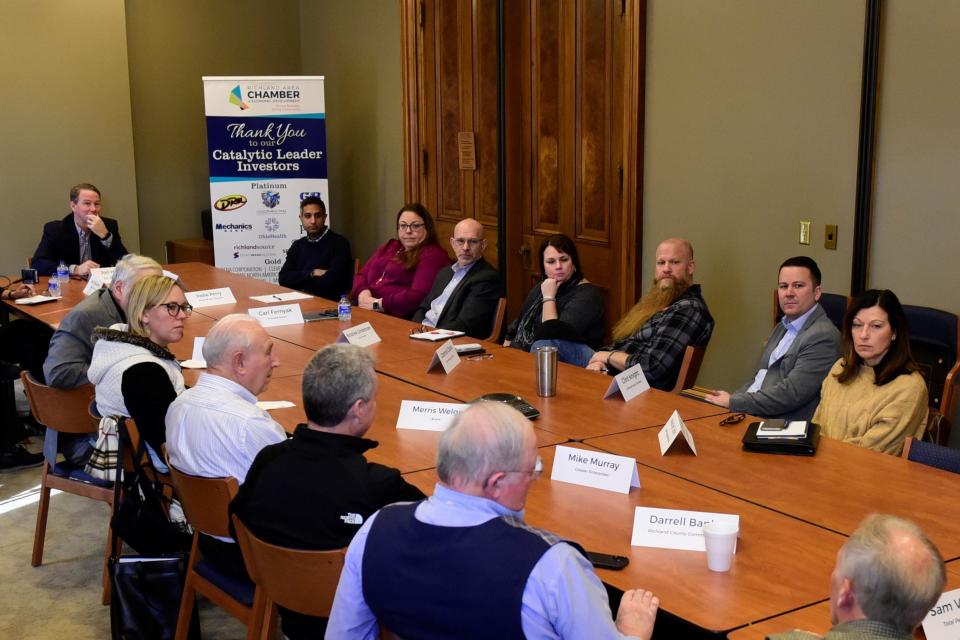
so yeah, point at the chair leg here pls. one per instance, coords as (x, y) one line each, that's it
(255, 621)
(269, 622)
(108, 551)
(189, 599)
(43, 506)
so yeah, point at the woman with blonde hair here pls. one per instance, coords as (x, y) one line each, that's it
(134, 373)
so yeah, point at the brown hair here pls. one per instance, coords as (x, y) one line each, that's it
(410, 257)
(563, 244)
(898, 360)
(75, 190)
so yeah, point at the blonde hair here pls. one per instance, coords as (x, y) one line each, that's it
(146, 294)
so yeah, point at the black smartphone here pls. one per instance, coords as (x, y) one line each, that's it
(29, 276)
(326, 314)
(773, 425)
(606, 561)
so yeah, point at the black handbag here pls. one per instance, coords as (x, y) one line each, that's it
(146, 590)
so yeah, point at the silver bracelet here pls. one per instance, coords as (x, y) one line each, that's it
(549, 299)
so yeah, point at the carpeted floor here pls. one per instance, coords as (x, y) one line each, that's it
(61, 598)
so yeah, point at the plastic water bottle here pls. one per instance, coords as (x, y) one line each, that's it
(343, 309)
(53, 287)
(63, 272)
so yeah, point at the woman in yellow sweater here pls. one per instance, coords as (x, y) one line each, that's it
(874, 396)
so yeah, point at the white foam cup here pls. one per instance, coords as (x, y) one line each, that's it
(721, 540)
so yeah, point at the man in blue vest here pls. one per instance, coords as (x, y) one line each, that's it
(463, 564)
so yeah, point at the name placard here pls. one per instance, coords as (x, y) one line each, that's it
(197, 348)
(98, 279)
(674, 528)
(361, 335)
(446, 356)
(943, 619)
(428, 416)
(279, 315)
(210, 297)
(674, 427)
(629, 383)
(595, 469)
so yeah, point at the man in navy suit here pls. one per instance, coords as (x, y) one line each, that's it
(464, 297)
(83, 240)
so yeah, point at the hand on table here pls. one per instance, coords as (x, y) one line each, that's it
(598, 361)
(719, 398)
(365, 299)
(83, 270)
(637, 613)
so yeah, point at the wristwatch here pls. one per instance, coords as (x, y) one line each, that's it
(376, 306)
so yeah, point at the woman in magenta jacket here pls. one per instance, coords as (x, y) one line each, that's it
(399, 275)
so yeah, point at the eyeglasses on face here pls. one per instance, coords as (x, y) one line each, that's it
(735, 418)
(174, 308)
(413, 226)
(473, 242)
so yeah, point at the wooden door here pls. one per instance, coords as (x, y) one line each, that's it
(572, 78)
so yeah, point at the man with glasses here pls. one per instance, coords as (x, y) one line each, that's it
(463, 564)
(464, 297)
(319, 263)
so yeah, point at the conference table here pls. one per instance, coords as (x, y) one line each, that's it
(795, 512)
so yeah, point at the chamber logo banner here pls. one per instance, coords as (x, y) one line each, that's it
(267, 149)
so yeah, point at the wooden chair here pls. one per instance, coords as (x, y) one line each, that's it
(356, 267)
(933, 455)
(205, 502)
(689, 367)
(66, 410)
(296, 579)
(951, 405)
(497, 330)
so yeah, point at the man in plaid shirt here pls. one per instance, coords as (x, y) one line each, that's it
(657, 330)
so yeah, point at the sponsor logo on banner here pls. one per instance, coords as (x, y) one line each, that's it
(270, 199)
(233, 227)
(271, 224)
(310, 194)
(231, 202)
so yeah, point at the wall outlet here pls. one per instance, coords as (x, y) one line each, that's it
(804, 232)
(830, 236)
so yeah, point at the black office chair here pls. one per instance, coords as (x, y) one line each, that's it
(933, 343)
(835, 305)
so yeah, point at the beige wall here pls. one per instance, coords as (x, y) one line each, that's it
(917, 208)
(66, 118)
(355, 45)
(751, 126)
(172, 44)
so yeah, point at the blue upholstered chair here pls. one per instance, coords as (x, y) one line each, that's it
(933, 342)
(933, 455)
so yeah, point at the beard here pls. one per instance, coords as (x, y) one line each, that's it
(661, 295)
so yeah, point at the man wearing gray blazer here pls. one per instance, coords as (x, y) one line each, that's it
(464, 296)
(797, 356)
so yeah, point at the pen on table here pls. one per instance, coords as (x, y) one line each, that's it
(278, 298)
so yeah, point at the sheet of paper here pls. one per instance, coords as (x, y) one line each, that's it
(282, 297)
(437, 334)
(674, 528)
(210, 297)
(594, 469)
(428, 416)
(37, 299)
(193, 363)
(277, 315)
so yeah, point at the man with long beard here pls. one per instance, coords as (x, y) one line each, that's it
(668, 318)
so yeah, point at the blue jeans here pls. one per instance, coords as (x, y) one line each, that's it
(570, 352)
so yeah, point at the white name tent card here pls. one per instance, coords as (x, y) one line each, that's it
(210, 297)
(278, 315)
(197, 348)
(674, 427)
(595, 469)
(629, 384)
(943, 620)
(361, 335)
(99, 278)
(446, 356)
(428, 416)
(282, 297)
(270, 405)
(675, 528)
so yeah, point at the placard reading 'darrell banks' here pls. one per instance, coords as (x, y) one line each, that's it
(943, 620)
(428, 416)
(594, 469)
(674, 528)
